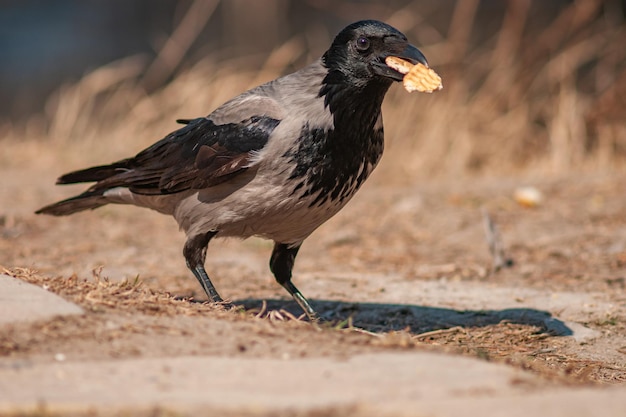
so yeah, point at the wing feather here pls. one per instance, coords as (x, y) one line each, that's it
(200, 155)
(203, 153)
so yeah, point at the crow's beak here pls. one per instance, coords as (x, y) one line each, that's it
(413, 55)
(410, 53)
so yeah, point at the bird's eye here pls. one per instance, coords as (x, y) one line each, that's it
(362, 44)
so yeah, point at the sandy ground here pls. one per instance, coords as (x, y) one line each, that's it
(401, 268)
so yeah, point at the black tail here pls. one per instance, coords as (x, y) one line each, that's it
(94, 174)
(90, 199)
(85, 201)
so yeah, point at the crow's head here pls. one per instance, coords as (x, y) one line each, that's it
(357, 55)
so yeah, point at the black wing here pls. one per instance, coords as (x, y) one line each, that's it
(199, 155)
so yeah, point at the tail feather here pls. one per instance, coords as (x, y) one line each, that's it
(93, 197)
(85, 201)
(94, 174)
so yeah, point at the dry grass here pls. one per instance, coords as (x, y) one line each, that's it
(99, 294)
(543, 98)
(526, 347)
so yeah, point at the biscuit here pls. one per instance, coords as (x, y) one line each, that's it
(417, 77)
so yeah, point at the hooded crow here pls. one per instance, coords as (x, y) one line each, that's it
(276, 162)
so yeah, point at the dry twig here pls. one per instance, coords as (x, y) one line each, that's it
(494, 241)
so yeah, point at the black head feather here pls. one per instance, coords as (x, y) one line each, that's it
(358, 52)
(356, 66)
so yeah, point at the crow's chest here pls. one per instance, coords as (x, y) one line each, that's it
(330, 166)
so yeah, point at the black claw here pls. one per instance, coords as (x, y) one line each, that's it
(206, 284)
(302, 301)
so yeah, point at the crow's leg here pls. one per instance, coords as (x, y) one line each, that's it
(281, 264)
(195, 254)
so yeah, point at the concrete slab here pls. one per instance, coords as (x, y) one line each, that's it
(22, 302)
(415, 383)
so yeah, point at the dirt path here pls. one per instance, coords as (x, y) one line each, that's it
(401, 269)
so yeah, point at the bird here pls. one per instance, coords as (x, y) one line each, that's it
(276, 162)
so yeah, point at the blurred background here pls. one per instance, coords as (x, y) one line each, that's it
(529, 85)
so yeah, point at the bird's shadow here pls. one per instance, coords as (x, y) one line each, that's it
(380, 317)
